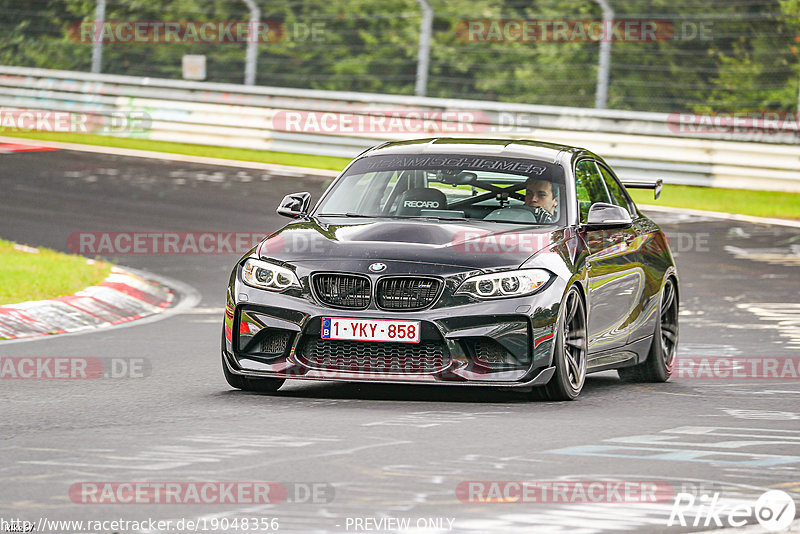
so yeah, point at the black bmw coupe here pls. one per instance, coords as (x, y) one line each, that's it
(505, 263)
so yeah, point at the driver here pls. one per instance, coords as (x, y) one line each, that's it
(541, 196)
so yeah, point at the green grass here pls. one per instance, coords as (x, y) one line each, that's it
(759, 203)
(30, 276)
(241, 154)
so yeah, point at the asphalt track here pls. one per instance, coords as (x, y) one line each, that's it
(378, 451)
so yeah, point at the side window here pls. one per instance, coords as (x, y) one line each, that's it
(589, 187)
(618, 195)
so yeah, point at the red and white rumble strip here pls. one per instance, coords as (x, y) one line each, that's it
(120, 298)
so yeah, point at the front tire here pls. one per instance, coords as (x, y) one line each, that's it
(569, 356)
(659, 363)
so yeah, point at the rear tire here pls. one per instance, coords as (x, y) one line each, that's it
(659, 363)
(256, 385)
(569, 355)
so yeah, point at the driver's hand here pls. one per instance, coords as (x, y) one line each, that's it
(542, 215)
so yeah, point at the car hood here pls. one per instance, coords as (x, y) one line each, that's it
(469, 244)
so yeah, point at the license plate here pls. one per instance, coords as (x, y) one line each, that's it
(371, 330)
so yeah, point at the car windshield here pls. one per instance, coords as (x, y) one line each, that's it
(442, 186)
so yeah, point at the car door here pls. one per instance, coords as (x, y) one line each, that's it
(641, 321)
(615, 278)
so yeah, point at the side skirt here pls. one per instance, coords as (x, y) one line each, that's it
(626, 356)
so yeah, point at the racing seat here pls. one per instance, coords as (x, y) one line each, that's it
(412, 202)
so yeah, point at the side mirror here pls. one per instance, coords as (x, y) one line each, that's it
(294, 205)
(602, 214)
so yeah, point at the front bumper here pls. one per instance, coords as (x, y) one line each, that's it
(500, 343)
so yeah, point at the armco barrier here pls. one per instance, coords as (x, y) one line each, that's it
(639, 145)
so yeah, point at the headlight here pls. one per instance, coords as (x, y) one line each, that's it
(265, 275)
(504, 284)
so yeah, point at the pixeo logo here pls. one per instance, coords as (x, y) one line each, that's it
(774, 510)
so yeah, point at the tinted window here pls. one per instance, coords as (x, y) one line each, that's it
(589, 187)
(618, 195)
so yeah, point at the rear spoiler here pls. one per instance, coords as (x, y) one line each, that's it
(641, 184)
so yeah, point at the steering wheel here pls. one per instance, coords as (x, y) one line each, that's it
(537, 215)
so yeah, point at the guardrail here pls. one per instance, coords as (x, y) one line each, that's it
(640, 146)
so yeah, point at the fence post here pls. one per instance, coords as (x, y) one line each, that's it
(251, 57)
(424, 52)
(604, 61)
(97, 47)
